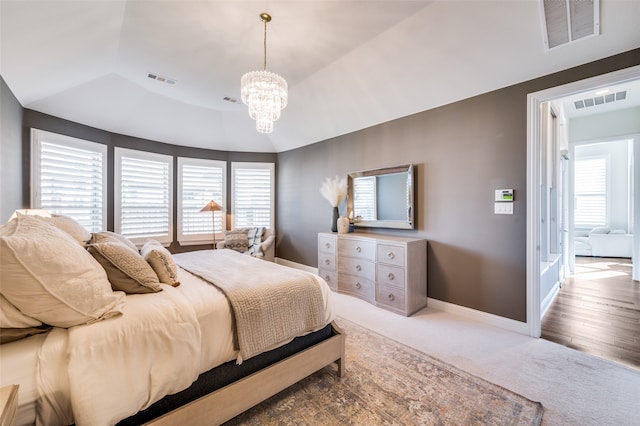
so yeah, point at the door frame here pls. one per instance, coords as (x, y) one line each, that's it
(534, 173)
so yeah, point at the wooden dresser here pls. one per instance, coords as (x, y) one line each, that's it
(387, 271)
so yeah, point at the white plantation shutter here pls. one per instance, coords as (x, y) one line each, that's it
(252, 194)
(143, 195)
(69, 177)
(200, 181)
(591, 192)
(364, 205)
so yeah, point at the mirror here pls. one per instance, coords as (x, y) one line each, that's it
(381, 198)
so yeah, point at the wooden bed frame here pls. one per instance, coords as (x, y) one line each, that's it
(227, 402)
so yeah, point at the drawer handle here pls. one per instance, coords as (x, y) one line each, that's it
(390, 255)
(327, 278)
(358, 268)
(391, 276)
(358, 249)
(327, 245)
(391, 297)
(358, 285)
(327, 262)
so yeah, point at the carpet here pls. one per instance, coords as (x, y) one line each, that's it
(388, 383)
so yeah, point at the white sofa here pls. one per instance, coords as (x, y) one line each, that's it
(604, 242)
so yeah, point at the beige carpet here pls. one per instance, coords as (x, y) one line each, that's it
(392, 384)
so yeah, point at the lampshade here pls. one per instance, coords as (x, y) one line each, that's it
(211, 206)
(264, 92)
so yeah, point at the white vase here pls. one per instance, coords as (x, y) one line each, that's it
(343, 225)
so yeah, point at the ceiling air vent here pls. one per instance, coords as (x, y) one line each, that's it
(600, 100)
(565, 21)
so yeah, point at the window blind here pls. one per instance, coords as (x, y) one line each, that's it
(252, 194)
(69, 178)
(200, 181)
(590, 192)
(144, 199)
(364, 205)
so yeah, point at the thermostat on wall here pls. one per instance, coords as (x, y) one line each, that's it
(504, 194)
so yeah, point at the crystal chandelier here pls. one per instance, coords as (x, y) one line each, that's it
(264, 92)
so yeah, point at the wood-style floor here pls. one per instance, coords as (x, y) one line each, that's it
(597, 311)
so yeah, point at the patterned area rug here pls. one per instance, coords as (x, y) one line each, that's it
(387, 383)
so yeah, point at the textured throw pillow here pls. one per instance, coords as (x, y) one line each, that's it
(126, 269)
(236, 240)
(48, 276)
(255, 240)
(71, 227)
(11, 317)
(108, 236)
(161, 261)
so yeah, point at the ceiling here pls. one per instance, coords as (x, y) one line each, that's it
(349, 64)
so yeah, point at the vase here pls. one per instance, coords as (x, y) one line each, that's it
(343, 225)
(334, 220)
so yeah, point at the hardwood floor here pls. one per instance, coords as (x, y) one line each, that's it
(597, 311)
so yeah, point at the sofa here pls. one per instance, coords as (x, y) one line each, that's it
(604, 242)
(257, 242)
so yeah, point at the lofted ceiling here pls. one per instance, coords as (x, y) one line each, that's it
(349, 64)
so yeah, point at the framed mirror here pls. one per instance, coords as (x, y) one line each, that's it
(381, 198)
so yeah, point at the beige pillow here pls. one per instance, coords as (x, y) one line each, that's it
(161, 261)
(108, 236)
(71, 227)
(237, 240)
(48, 276)
(126, 269)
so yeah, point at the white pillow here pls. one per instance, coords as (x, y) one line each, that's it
(48, 276)
(71, 227)
(600, 230)
(11, 317)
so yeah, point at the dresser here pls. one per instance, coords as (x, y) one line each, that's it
(387, 271)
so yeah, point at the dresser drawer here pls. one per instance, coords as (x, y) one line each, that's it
(390, 255)
(357, 286)
(357, 248)
(327, 261)
(390, 296)
(390, 275)
(359, 267)
(331, 277)
(327, 244)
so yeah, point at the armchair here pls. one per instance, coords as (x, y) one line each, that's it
(239, 240)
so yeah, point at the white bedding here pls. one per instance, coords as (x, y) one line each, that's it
(110, 370)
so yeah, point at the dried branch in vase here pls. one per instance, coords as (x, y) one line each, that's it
(334, 190)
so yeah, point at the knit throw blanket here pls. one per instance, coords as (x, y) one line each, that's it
(271, 303)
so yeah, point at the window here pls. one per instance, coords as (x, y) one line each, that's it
(252, 194)
(364, 203)
(591, 192)
(143, 195)
(200, 181)
(68, 176)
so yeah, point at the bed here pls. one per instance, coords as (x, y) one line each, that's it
(173, 355)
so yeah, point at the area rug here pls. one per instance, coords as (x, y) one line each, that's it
(388, 383)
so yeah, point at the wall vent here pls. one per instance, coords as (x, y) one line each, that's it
(566, 21)
(600, 100)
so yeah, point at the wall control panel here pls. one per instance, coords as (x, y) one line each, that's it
(503, 201)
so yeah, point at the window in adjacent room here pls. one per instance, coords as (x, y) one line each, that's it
(252, 195)
(200, 181)
(69, 176)
(591, 192)
(143, 198)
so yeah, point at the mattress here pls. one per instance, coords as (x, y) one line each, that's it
(19, 360)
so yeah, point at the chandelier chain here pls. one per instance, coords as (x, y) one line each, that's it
(265, 45)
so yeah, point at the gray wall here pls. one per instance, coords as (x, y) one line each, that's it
(10, 153)
(462, 153)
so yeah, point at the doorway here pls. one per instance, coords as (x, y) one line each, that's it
(537, 193)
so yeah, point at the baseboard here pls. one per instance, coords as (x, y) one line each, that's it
(479, 316)
(546, 303)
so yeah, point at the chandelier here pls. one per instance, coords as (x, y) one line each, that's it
(264, 92)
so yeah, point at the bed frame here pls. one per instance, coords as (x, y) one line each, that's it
(227, 402)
